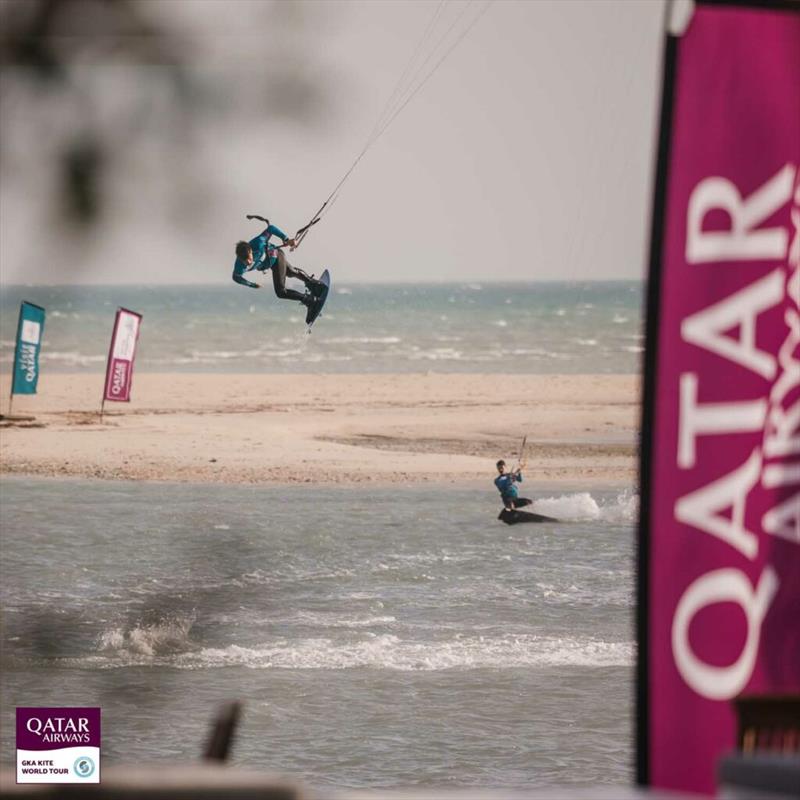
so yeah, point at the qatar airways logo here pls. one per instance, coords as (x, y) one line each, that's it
(60, 730)
(754, 336)
(119, 378)
(58, 745)
(27, 361)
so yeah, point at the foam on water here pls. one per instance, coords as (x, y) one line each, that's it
(168, 642)
(582, 506)
(362, 340)
(390, 652)
(332, 619)
(168, 635)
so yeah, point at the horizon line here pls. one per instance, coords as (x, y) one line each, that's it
(357, 282)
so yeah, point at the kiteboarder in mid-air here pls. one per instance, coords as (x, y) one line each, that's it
(258, 255)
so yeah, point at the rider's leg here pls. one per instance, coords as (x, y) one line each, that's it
(310, 281)
(279, 272)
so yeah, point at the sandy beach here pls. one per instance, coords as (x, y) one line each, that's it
(341, 429)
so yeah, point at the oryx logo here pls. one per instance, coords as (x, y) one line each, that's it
(31, 331)
(84, 767)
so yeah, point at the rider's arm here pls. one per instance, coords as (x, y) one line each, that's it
(239, 278)
(273, 230)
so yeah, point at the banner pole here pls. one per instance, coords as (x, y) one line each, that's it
(642, 740)
(108, 365)
(16, 356)
(13, 371)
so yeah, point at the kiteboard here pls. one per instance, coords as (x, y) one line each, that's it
(514, 517)
(315, 309)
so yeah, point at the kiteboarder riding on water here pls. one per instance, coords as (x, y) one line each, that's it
(505, 483)
(258, 255)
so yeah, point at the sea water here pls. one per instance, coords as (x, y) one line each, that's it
(380, 637)
(543, 328)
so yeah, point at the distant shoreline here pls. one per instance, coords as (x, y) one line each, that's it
(345, 429)
(225, 281)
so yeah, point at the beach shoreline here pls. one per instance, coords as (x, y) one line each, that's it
(347, 429)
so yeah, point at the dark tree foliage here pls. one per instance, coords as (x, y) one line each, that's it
(47, 47)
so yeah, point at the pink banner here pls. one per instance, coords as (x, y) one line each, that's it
(121, 354)
(720, 532)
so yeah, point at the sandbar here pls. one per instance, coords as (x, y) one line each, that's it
(327, 428)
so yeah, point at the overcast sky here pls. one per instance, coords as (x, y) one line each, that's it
(527, 156)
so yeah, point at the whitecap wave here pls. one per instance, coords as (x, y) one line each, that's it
(332, 619)
(437, 354)
(390, 652)
(362, 340)
(167, 635)
(72, 359)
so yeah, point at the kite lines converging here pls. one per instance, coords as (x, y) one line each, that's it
(437, 42)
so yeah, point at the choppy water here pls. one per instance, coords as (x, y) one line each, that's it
(392, 637)
(535, 327)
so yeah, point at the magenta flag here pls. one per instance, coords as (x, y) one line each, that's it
(719, 541)
(121, 354)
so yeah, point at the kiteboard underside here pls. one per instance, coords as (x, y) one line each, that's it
(514, 517)
(315, 310)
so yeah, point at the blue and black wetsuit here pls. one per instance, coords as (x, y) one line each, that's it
(506, 485)
(266, 257)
